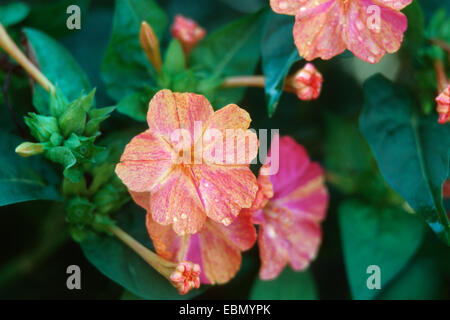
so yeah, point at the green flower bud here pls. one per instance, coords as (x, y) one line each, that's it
(28, 149)
(41, 127)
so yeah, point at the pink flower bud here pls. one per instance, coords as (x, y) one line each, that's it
(188, 32)
(306, 83)
(443, 106)
(186, 276)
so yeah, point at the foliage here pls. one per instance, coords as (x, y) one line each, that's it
(385, 156)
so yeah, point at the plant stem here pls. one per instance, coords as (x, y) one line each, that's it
(441, 76)
(244, 81)
(161, 265)
(13, 50)
(252, 81)
(442, 44)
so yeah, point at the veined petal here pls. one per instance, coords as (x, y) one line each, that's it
(287, 238)
(225, 190)
(142, 199)
(318, 31)
(290, 229)
(193, 108)
(394, 4)
(290, 7)
(143, 175)
(162, 115)
(176, 201)
(370, 38)
(217, 249)
(147, 146)
(226, 139)
(293, 162)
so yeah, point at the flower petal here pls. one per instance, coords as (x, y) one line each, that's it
(217, 249)
(318, 31)
(370, 39)
(177, 202)
(290, 7)
(142, 199)
(143, 176)
(225, 190)
(226, 139)
(394, 4)
(290, 227)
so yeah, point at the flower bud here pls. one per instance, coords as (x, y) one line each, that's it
(150, 45)
(443, 106)
(186, 277)
(188, 32)
(28, 149)
(306, 83)
(41, 127)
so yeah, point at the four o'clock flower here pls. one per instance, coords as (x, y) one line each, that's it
(306, 83)
(294, 202)
(176, 162)
(188, 32)
(216, 248)
(443, 106)
(325, 28)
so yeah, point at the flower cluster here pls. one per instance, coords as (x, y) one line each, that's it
(326, 28)
(204, 212)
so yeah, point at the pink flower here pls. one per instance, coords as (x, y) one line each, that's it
(216, 248)
(291, 211)
(306, 83)
(325, 28)
(188, 32)
(171, 162)
(443, 106)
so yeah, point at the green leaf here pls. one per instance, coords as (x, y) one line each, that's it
(174, 61)
(24, 179)
(124, 266)
(289, 285)
(13, 13)
(125, 68)
(384, 237)
(229, 51)
(58, 66)
(421, 280)
(412, 151)
(278, 55)
(97, 116)
(415, 34)
(136, 104)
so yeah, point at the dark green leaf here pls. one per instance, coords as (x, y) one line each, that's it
(421, 280)
(124, 266)
(383, 237)
(13, 13)
(230, 51)
(58, 66)
(412, 151)
(136, 104)
(278, 55)
(125, 68)
(289, 285)
(24, 179)
(174, 60)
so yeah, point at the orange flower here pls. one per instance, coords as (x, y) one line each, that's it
(188, 32)
(216, 248)
(443, 106)
(192, 162)
(325, 28)
(306, 83)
